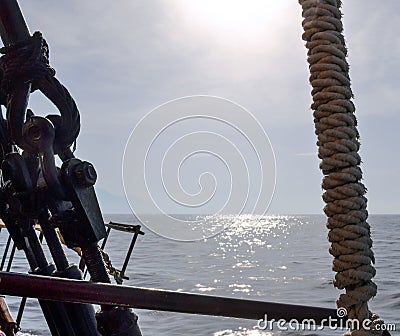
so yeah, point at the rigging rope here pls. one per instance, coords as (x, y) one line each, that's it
(338, 144)
(28, 61)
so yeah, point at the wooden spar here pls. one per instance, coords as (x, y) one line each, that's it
(79, 291)
(13, 27)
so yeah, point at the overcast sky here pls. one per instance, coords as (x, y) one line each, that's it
(122, 59)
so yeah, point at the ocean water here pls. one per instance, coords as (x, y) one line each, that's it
(280, 259)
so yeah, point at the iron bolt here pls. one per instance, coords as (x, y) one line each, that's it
(86, 174)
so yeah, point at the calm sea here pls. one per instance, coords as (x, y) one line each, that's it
(280, 259)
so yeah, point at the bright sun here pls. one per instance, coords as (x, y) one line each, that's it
(230, 20)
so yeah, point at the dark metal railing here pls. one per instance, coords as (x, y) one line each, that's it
(80, 291)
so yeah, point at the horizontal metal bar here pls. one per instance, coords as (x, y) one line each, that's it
(49, 288)
(125, 227)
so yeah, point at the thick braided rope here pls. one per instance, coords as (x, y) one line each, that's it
(338, 145)
(28, 61)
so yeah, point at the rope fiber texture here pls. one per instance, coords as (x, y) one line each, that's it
(338, 144)
(28, 61)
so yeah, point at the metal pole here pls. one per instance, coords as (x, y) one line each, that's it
(13, 26)
(82, 316)
(153, 299)
(53, 242)
(10, 259)
(3, 260)
(103, 244)
(54, 313)
(13, 29)
(129, 253)
(21, 310)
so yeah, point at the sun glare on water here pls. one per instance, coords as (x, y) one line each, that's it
(231, 20)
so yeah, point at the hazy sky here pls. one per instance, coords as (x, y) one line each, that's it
(122, 59)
